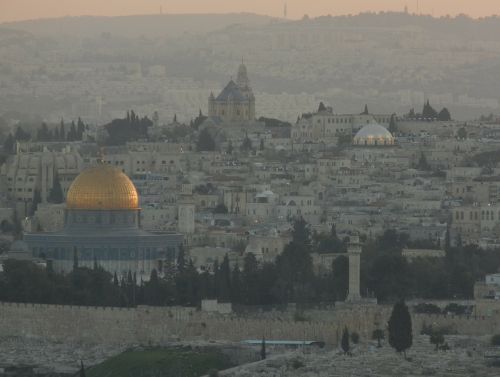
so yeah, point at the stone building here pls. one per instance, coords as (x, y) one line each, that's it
(102, 225)
(236, 102)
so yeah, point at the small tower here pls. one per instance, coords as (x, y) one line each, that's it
(242, 78)
(354, 253)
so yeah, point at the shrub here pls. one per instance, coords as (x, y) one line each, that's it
(456, 309)
(437, 338)
(296, 364)
(495, 340)
(378, 335)
(425, 308)
(355, 337)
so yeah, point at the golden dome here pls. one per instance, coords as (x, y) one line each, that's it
(102, 187)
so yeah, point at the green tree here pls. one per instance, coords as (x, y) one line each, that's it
(56, 195)
(378, 335)
(250, 280)
(263, 349)
(428, 111)
(392, 125)
(8, 144)
(246, 145)
(37, 199)
(224, 280)
(321, 107)
(444, 115)
(220, 208)
(236, 286)
(462, 133)
(205, 141)
(400, 328)
(344, 343)
(422, 162)
(62, 131)
(436, 338)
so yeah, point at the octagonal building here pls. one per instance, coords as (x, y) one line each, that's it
(102, 225)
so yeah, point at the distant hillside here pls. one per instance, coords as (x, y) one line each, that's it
(170, 25)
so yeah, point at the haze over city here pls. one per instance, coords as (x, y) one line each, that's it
(31, 9)
(208, 188)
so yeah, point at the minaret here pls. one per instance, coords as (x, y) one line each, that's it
(354, 253)
(285, 11)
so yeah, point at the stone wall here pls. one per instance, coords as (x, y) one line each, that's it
(156, 325)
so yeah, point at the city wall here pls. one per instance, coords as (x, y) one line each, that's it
(157, 325)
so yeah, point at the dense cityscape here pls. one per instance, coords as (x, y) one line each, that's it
(282, 226)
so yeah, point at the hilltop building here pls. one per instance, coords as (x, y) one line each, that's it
(236, 102)
(373, 134)
(102, 226)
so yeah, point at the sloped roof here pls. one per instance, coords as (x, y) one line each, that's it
(231, 91)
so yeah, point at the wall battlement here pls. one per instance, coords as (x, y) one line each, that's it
(157, 325)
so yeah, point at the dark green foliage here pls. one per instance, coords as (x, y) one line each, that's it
(56, 195)
(198, 121)
(426, 308)
(344, 343)
(400, 328)
(428, 111)
(384, 272)
(495, 340)
(21, 135)
(355, 337)
(462, 133)
(263, 349)
(294, 266)
(340, 278)
(422, 163)
(365, 111)
(444, 115)
(82, 369)
(8, 144)
(392, 125)
(437, 338)
(321, 107)
(220, 208)
(246, 145)
(456, 309)
(37, 199)
(120, 131)
(23, 281)
(378, 335)
(297, 363)
(164, 362)
(328, 242)
(205, 141)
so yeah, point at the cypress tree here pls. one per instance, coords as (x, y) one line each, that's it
(392, 124)
(82, 369)
(62, 132)
(263, 349)
(56, 194)
(400, 328)
(345, 341)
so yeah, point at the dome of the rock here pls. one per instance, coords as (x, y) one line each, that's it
(102, 187)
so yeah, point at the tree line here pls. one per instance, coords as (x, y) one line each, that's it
(385, 274)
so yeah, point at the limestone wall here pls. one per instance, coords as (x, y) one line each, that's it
(154, 325)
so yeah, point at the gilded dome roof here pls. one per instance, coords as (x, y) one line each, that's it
(102, 187)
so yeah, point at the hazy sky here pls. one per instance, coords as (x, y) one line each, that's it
(28, 9)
